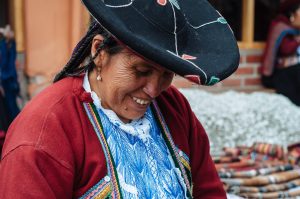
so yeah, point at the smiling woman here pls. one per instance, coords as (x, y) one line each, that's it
(111, 126)
(133, 83)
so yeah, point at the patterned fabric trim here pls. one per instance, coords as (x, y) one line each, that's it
(184, 159)
(170, 143)
(101, 190)
(112, 173)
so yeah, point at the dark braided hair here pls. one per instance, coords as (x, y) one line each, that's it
(81, 52)
(290, 10)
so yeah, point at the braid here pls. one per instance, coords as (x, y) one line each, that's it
(82, 51)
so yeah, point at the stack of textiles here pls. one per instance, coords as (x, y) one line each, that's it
(294, 153)
(264, 151)
(260, 171)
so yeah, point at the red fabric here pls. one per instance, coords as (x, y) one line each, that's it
(52, 151)
(195, 144)
(279, 25)
(2, 137)
(288, 46)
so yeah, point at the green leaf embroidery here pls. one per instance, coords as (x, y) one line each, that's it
(213, 80)
(222, 20)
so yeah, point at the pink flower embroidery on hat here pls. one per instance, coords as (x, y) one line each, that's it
(193, 78)
(188, 57)
(162, 2)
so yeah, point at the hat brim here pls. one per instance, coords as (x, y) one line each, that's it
(203, 51)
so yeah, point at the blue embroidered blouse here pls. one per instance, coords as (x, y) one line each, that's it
(143, 162)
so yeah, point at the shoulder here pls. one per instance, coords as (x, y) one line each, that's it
(173, 99)
(56, 96)
(47, 116)
(280, 24)
(173, 96)
(177, 113)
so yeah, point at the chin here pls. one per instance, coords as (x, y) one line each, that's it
(135, 116)
(129, 117)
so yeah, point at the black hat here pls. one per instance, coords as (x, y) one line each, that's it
(188, 37)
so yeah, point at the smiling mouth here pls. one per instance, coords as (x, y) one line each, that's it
(140, 101)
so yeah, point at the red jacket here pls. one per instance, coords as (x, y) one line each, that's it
(52, 151)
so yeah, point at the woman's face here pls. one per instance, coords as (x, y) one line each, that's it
(129, 83)
(295, 18)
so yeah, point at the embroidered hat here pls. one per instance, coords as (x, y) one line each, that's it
(288, 6)
(188, 37)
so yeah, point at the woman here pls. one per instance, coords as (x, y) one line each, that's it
(111, 126)
(4, 121)
(9, 77)
(281, 68)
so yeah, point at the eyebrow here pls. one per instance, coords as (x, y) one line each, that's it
(146, 64)
(151, 67)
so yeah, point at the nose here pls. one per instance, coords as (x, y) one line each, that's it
(153, 87)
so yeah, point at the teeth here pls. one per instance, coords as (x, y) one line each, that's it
(140, 101)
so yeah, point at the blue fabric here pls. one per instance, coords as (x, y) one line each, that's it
(10, 99)
(144, 165)
(9, 66)
(9, 78)
(3, 56)
(3, 115)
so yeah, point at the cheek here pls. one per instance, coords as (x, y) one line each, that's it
(297, 18)
(167, 82)
(121, 84)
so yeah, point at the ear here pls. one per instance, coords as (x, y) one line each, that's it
(292, 18)
(97, 41)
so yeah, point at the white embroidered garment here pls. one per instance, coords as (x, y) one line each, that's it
(143, 162)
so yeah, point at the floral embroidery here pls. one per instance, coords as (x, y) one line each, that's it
(162, 2)
(185, 181)
(188, 57)
(143, 162)
(193, 78)
(213, 80)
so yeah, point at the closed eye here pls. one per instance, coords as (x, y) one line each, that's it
(143, 73)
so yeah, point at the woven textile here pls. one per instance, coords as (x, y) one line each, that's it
(267, 188)
(294, 153)
(265, 171)
(272, 150)
(255, 172)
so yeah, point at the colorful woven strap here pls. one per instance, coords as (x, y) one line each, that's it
(172, 148)
(112, 173)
